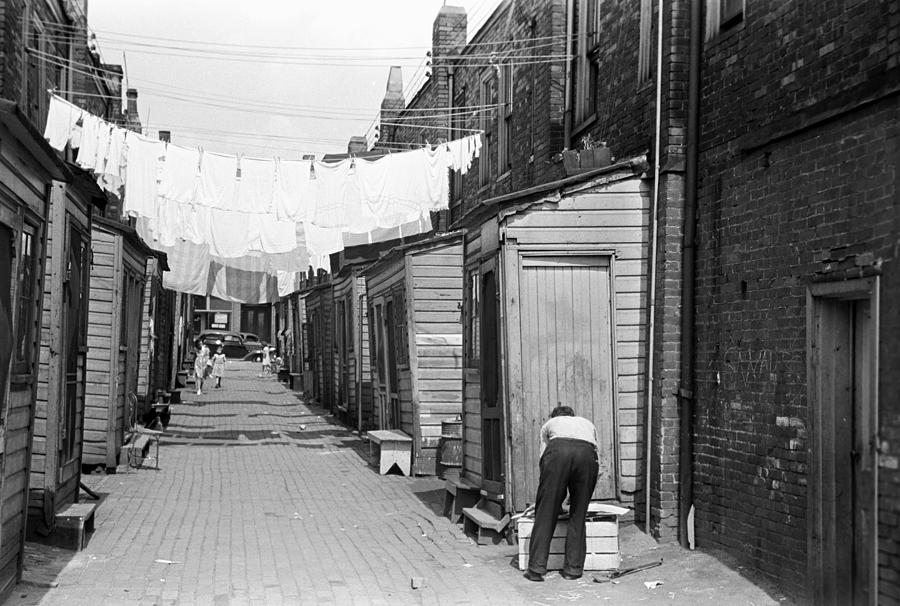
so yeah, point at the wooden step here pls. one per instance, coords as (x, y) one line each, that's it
(484, 526)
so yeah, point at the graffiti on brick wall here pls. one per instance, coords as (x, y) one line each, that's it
(745, 365)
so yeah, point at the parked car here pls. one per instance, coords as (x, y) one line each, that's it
(251, 341)
(232, 343)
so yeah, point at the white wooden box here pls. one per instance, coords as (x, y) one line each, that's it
(602, 543)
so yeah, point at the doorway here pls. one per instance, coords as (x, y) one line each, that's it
(842, 349)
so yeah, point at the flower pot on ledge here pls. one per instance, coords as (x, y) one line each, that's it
(583, 160)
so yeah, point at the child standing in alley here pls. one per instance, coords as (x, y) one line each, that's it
(218, 369)
(201, 361)
(266, 360)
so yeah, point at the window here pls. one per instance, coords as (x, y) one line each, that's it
(390, 328)
(504, 111)
(43, 70)
(722, 15)
(645, 45)
(26, 326)
(457, 124)
(348, 307)
(487, 100)
(472, 326)
(586, 70)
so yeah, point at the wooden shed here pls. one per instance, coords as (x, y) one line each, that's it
(556, 313)
(352, 376)
(319, 344)
(117, 278)
(57, 449)
(27, 168)
(157, 332)
(415, 295)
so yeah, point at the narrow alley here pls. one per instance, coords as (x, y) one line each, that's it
(261, 499)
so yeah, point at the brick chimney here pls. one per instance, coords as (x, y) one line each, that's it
(132, 119)
(448, 37)
(358, 144)
(448, 34)
(392, 104)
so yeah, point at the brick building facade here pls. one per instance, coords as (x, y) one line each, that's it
(796, 242)
(798, 202)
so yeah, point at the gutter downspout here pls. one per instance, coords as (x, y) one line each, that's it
(567, 117)
(652, 260)
(686, 389)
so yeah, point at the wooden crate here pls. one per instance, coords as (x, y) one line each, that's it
(602, 543)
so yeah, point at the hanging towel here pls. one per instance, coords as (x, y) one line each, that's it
(111, 177)
(375, 180)
(180, 174)
(230, 234)
(61, 120)
(90, 131)
(331, 189)
(274, 236)
(142, 159)
(294, 192)
(218, 181)
(256, 186)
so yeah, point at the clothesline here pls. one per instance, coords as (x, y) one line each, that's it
(212, 212)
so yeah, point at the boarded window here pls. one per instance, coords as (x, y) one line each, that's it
(401, 337)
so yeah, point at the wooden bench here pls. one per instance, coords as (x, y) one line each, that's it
(395, 448)
(73, 525)
(460, 493)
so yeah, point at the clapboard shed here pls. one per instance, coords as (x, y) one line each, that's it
(415, 294)
(29, 169)
(556, 313)
(117, 278)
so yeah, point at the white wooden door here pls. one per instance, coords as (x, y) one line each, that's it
(566, 355)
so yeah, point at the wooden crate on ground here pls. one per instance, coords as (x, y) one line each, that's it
(602, 543)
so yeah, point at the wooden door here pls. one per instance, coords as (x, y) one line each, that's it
(7, 242)
(493, 462)
(565, 350)
(73, 323)
(842, 491)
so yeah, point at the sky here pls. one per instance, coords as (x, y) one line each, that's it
(270, 77)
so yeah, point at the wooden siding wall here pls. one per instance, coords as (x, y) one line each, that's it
(472, 452)
(366, 398)
(25, 195)
(319, 304)
(343, 291)
(378, 287)
(433, 301)
(610, 218)
(104, 375)
(53, 483)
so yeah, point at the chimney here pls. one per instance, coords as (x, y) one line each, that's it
(165, 135)
(448, 35)
(358, 144)
(132, 119)
(392, 105)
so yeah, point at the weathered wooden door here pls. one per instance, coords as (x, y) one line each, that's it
(493, 462)
(561, 353)
(843, 500)
(73, 321)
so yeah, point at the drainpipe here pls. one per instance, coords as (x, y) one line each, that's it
(686, 390)
(651, 339)
(567, 118)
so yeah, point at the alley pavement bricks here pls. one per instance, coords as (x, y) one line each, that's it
(262, 499)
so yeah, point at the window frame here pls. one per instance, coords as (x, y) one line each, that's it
(487, 93)
(504, 119)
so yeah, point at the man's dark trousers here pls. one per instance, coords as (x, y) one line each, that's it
(566, 465)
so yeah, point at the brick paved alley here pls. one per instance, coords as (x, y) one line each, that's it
(260, 499)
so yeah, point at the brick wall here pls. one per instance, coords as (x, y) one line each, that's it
(798, 166)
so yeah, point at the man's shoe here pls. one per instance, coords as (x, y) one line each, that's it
(569, 577)
(533, 576)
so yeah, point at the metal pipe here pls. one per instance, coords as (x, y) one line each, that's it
(567, 117)
(686, 390)
(648, 421)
